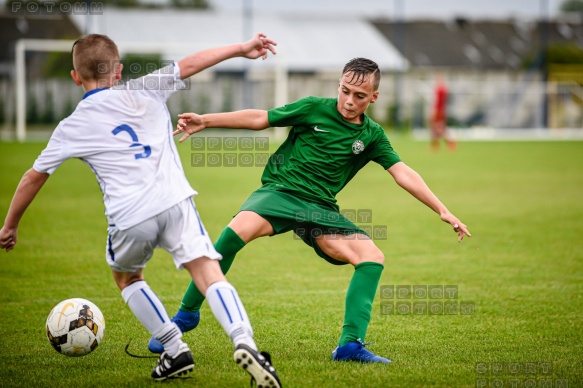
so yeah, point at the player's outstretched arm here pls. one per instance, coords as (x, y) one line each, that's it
(30, 184)
(254, 48)
(189, 123)
(411, 181)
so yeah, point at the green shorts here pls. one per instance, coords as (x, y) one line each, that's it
(308, 220)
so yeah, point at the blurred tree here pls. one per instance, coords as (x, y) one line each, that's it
(200, 4)
(572, 6)
(137, 65)
(57, 65)
(567, 54)
(48, 116)
(123, 3)
(32, 114)
(54, 5)
(2, 110)
(556, 53)
(68, 107)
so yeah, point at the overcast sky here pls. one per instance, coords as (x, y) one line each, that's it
(440, 9)
(406, 8)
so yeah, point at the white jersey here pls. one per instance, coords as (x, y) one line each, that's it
(124, 134)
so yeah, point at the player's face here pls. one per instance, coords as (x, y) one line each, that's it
(353, 98)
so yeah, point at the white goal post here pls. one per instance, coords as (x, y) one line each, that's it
(22, 46)
(53, 45)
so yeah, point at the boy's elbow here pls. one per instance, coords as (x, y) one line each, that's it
(260, 122)
(260, 126)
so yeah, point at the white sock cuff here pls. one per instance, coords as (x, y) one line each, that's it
(127, 292)
(222, 284)
(225, 302)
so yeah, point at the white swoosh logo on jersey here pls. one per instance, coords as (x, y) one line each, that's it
(319, 130)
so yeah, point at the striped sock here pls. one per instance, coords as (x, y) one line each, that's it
(230, 312)
(228, 245)
(170, 337)
(152, 315)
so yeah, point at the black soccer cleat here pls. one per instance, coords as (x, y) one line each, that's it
(175, 366)
(258, 365)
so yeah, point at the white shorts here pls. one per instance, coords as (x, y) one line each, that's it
(177, 230)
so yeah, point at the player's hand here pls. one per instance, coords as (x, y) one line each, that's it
(8, 237)
(188, 123)
(258, 47)
(459, 227)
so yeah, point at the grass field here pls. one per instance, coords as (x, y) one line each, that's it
(522, 270)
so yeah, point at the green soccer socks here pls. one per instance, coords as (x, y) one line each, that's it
(359, 298)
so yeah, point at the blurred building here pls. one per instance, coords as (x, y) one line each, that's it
(20, 25)
(495, 69)
(15, 26)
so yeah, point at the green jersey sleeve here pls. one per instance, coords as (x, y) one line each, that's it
(290, 114)
(383, 152)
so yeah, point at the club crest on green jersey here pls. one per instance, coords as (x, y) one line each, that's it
(357, 147)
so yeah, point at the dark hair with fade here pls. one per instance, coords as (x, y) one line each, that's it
(361, 68)
(94, 56)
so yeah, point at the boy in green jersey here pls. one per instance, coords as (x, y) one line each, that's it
(331, 139)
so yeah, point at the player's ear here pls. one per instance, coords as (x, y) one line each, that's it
(118, 67)
(375, 95)
(76, 78)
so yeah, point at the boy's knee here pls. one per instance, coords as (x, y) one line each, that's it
(378, 257)
(125, 279)
(373, 255)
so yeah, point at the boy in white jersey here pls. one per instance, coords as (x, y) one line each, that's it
(124, 134)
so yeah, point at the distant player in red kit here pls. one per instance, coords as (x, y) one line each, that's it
(439, 117)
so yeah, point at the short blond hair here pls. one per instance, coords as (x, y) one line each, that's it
(94, 57)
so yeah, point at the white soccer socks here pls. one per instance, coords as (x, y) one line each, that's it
(230, 312)
(152, 315)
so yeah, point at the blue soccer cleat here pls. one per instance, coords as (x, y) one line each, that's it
(184, 320)
(355, 351)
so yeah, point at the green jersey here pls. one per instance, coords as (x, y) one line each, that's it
(322, 152)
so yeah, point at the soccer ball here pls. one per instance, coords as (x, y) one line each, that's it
(75, 327)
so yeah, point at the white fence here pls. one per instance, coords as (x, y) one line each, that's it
(521, 103)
